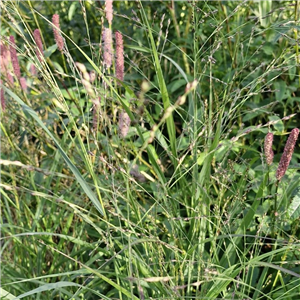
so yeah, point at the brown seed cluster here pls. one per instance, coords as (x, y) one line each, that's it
(287, 154)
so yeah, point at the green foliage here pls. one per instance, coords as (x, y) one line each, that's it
(183, 206)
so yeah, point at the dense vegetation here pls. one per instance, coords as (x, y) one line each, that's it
(152, 153)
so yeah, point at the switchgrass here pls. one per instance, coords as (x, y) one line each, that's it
(182, 206)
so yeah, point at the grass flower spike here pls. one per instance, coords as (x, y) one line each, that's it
(2, 98)
(109, 11)
(38, 41)
(14, 57)
(58, 38)
(268, 148)
(107, 49)
(287, 154)
(120, 56)
(4, 58)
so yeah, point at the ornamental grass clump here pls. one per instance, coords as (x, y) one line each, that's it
(268, 148)
(287, 154)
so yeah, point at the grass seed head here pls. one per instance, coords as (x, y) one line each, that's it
(268, 148)
(38, 41)
(107, 48)
(2, 98)
(109, 11)
(14, 57)
(120, 56)
(57, 36)
(287, 154)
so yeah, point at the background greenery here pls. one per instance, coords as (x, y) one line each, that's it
(183, 206)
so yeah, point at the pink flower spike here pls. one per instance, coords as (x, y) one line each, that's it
(2, 98)
(14, 57)
(58, 38)
(268, 148)
(4, 57)
(120, 56)
(109, 11)
(38, 41)
(107, 49)
(287, 154)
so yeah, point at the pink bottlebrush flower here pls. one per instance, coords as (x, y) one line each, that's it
(124, 124)
(14, 57)
(58, 38)
(23, 84)
(109, 11)
(2, 98)
(38, 41)
(107, 49)
(268, 148)
(120, 56)
(4, 57)
(287, 154)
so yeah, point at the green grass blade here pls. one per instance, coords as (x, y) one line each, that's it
(72, 167)
(162, 86)
(6, 295)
